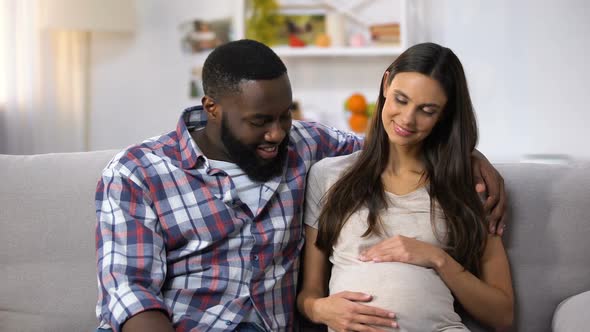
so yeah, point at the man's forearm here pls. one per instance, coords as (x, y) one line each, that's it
(148, 321)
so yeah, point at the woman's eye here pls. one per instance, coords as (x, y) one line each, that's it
(400, 101)
(428, 111)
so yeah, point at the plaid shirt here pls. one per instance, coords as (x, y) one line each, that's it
(173, 235)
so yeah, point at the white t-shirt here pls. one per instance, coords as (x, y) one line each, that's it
(248, 190)
(417, 295)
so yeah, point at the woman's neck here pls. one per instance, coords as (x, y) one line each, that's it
(404, 172)
(403, 159)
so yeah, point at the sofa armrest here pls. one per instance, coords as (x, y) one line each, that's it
(571, 314)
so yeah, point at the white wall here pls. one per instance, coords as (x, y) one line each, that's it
(139, 82)
(525, 62)
(527, 69)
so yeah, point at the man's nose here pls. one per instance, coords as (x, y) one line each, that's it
(275, 133)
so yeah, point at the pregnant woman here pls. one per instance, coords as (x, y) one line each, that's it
(396, 235)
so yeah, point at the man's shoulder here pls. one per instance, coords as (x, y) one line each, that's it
(313, 130)
(315, 135)
(304, 129)
(306, 137)
(144, 154)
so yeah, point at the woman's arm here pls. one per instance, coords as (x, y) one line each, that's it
(489, 300)
(342, 311)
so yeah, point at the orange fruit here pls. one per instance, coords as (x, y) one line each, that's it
(358, 122)
(357, 103)
(322, 40)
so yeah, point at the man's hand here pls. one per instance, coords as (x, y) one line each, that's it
(343, 312)
(487, 179)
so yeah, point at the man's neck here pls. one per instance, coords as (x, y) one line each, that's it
(212, 149)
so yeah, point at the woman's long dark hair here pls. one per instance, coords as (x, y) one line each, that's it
(446, 154)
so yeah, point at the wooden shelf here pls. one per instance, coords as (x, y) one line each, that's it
(313, 51)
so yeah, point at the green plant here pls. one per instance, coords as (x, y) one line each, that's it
(263, 21)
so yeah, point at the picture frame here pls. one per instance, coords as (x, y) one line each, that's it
(283, 24)
(203, 35)
(301, 26)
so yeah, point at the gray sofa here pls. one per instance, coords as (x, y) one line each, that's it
(47, 269)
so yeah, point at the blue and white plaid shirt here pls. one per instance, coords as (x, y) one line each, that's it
(172, 234)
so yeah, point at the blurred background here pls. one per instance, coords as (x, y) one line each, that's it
(82, 75)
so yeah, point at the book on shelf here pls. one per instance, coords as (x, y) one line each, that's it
(387, 34)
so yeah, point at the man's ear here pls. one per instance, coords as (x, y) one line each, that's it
(210, 106)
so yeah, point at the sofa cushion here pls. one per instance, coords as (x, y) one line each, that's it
(47, 215)
(572, 314)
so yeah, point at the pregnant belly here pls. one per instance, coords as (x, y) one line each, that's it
(417, 295)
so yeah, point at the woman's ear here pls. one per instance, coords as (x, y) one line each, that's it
(385, 84)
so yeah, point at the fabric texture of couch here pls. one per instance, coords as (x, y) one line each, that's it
(47, 256)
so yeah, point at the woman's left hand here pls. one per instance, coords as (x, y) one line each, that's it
(405, 250)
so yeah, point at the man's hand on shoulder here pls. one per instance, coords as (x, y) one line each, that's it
(488, 180)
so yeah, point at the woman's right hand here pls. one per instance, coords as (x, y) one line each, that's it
(343, 312)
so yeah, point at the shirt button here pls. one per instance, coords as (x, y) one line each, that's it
(256, 258)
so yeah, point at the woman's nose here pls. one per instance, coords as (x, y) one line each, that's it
(408, 116)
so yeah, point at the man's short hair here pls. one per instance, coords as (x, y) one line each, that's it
(243, 60)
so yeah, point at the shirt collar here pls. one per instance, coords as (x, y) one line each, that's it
(192, 118)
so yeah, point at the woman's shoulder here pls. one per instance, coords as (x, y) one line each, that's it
(334, 165)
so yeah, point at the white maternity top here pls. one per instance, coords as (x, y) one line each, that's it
(418, 296)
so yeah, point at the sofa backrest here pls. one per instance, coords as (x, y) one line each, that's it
(47, 255)
(548, 237)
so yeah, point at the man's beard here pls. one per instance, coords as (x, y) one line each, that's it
(247, 159)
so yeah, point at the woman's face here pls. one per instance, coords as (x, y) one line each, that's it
(413, 105)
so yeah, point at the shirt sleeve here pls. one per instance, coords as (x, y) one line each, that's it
(322, 141)
(130, 251)
(333, 142)
(314, 193)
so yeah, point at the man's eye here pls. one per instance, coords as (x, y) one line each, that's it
(286, 116)
(257, 123)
